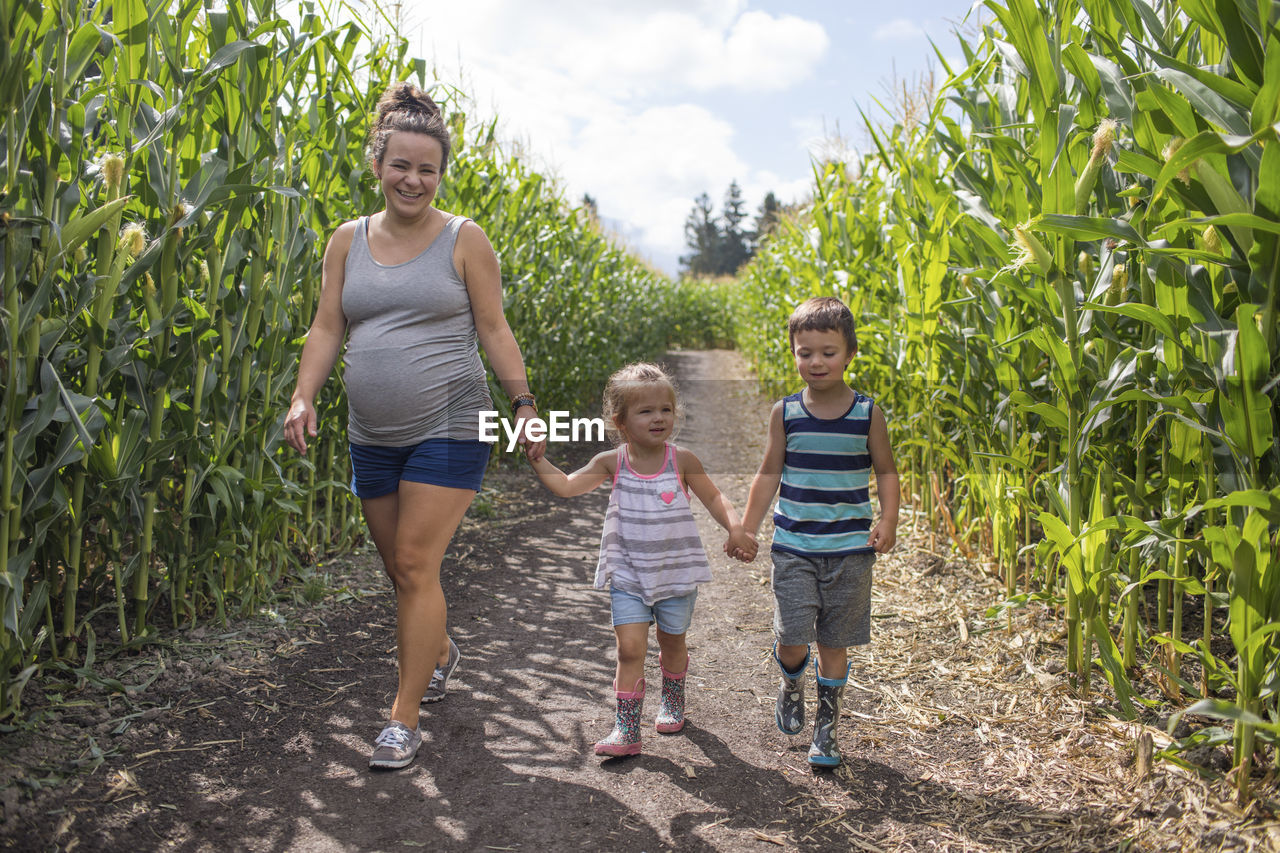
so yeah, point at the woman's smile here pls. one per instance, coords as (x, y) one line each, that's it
(410, 171)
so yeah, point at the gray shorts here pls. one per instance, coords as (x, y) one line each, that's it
(827, 599)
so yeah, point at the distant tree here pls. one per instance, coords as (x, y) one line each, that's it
(589, 205)
(702, 236)
(720, 245)
(766, 220)
(733, 249)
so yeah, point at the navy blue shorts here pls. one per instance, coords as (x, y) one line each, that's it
(451, 462)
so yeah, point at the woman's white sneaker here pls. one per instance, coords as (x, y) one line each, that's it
(395, 747)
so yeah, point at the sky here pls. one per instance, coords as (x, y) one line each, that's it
(645, 105)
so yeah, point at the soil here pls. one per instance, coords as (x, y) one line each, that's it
(960, 732)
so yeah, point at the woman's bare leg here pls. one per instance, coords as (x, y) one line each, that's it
(411, 530)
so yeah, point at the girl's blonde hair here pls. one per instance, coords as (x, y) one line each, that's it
(622, 387)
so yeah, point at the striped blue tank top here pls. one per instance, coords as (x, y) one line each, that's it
(824, 504)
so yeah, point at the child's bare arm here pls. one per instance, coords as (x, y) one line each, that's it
(885, 532)
(586, 478)
(739, 544)
(768, 477)
(695, 476)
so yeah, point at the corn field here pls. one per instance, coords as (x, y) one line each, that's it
(171, 172)
(1066, 279)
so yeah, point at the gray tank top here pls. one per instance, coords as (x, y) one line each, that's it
(412, 369)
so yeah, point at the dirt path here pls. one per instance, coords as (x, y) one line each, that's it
(256, 737)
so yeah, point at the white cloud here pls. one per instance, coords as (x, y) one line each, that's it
(823, 140)
(647, 167)
(763, 52)
(634, 49)
(810, 132)
(760, 183)
(899, 29)
(601, 95)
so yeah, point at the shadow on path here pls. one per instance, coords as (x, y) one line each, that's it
(507, 763)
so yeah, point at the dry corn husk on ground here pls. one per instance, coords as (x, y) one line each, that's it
(1008, 755)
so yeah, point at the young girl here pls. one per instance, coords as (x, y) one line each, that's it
(650, 555)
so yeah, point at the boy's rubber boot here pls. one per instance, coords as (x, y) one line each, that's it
(670, 717)
(789, 711)
(825, 751)
(625, 737)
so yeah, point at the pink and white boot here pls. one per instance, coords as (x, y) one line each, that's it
(625, 737)
(670, 717)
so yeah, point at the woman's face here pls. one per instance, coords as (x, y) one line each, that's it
(410, 173)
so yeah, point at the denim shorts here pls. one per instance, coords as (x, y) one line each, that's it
(451, 462)
(673, 615)
(822, 598)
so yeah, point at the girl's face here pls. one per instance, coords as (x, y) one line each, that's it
(410, 173)
(821, 357)
(649, 416)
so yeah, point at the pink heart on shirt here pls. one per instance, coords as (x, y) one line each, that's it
(668, 497)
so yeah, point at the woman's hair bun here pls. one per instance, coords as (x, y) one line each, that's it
(405, 97)
(403, 106)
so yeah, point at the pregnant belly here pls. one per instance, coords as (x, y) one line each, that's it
(377, 398)
(387, 397)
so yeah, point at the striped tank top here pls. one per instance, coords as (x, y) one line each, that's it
(824, 504)
(650, 545)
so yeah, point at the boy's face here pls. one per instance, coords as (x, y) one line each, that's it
(821, 357)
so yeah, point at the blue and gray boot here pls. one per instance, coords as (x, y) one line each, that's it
(789, 712)
(825, 751)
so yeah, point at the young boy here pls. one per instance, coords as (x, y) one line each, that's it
(822, 444)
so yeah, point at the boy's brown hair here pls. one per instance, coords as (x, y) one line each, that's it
(823, 314)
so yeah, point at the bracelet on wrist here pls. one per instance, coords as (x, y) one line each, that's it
(525, 399)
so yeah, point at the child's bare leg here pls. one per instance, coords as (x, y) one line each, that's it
(792, 657)
(832, 663)
(633, 642)
(675, 654)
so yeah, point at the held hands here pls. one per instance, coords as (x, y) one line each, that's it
(741, 546)
(298, 424)
(533, 450)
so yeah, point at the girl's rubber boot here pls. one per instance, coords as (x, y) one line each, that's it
(670, 717)
(625, 737)
(825, 751)
(789, 711)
